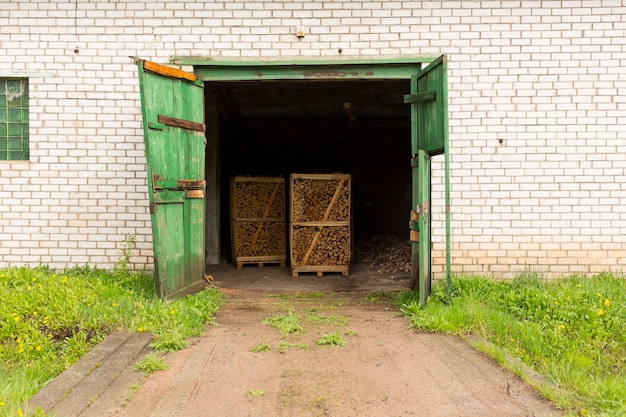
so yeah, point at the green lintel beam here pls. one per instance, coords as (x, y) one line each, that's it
(211, 70)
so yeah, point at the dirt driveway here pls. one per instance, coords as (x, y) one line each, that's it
(383, 370)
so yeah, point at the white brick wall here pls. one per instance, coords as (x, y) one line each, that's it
(546, 78)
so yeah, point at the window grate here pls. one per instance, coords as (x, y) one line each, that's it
(14, 140)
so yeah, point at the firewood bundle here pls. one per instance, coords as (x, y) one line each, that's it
(332, 247)
(258, 198)
(258, 227)
(270, 239)
(320, 223)
(312, 197)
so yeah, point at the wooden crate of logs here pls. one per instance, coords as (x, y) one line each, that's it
(258, 229)
(319, 227)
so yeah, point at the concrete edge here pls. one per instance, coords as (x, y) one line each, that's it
(60, 386)
(534, 379)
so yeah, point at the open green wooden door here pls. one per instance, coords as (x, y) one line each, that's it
(429, 137)
(172, 104)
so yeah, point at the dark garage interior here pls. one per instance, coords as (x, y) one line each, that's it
(356, 127)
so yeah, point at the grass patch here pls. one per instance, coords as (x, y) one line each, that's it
(331, 339)
(315, 317)
(284, 345)
(255, 392)
(571, 330)
(374, 297)
(299, 294)
(261, 347)
(285, 323)
(150, 364)
(49, 319)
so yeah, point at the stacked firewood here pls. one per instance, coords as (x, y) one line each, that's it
(311, 199)
(252, 195)
(258, 218)
(320, 221)
(270, 239)
(332, 247)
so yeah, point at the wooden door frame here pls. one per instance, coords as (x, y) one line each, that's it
(210, 70)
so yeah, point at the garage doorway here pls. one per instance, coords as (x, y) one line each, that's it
(276, 119)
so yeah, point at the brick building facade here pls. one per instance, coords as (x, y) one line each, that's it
(537, 108)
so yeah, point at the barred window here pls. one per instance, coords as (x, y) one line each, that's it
(14, 119)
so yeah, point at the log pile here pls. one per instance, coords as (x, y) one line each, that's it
(270, 241)
(332, 248)
(320, 223)
(258, 227)
(312, 197)
(386, 254)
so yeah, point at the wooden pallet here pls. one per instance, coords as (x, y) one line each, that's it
(320, 270)
(259, 261)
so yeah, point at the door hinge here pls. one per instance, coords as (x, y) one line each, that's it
(152, 208)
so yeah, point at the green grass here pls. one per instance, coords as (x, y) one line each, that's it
(331, 339)
(572, 330)
(49, 319)
(315, 317)
(285, 323)
(150, 364)
(261, 347)
(255, 392)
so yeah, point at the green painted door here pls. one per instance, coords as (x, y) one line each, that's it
(172, 104)
(429, 137)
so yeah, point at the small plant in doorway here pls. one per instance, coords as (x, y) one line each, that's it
(126, 251)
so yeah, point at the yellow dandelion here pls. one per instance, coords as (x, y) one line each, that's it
(556, 302)
(607, 302)
(599, 295)
(140, 329)
(583, 412)
(114, 304)
(172, 312)
(512, 340)
(35, 313)
(20, 350)
(1, 403)
(600, 312)
(562, 326)
(20, 413)
(38, 348)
